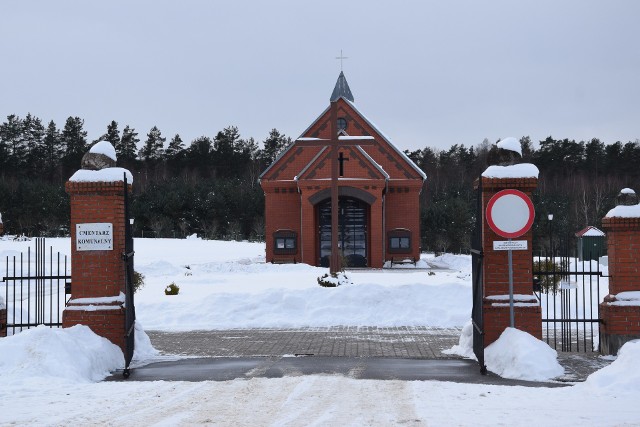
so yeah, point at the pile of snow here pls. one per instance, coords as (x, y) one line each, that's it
(143, 350)
(464, 348)
(622, 211)
(627, 191)
(460, 263)
(510, 144)
(623, 374)
(104, 147)
(73, 354)
(629, 298)
(522, 170)
(102, 175)
(519, 355)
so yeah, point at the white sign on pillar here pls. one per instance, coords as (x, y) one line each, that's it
(97, 236)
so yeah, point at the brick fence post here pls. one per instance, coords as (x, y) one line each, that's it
(495, 306)
(97, 268)
(620, 310)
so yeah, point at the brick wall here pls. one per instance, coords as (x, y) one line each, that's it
(496, 269)
(96, 274)
(621, 323)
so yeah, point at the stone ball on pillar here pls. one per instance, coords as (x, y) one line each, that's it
(101, 156)
(506, 152)
(627, 197)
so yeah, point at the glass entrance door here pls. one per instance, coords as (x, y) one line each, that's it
(352, 231)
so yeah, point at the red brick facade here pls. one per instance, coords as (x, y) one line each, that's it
(528, 315)
(621, 323)
(378, 174)
(97, 273)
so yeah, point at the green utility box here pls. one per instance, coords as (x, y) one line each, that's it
(591, 244)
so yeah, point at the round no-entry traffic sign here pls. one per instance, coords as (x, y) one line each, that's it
(510, 213)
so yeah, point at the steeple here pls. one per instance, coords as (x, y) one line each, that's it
(341, 89)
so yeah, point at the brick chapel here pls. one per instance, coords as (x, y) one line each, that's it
(379, 190)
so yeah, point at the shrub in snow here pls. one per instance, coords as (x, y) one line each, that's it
(521, 356)
(623, 374)
(549, 282)
(73, 354)
(138, 281)
(172, 289)
(331, 280)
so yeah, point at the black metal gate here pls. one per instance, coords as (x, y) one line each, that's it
(130, 310)
(477, 260)
(569, 292)
(35, 284)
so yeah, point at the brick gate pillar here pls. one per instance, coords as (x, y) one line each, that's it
(620, 310)
(97, 245)
(495, 306)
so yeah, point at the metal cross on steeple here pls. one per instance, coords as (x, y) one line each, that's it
(341, 58)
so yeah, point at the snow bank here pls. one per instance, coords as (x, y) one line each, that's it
(465, 343)
(104, 147)
(369, 304)
(623, 375)
(142, 344)
(103, 175)
(455, 262)
(510, 144)
(73, 354)
(519, 355)
(522, 170)
(621, 211)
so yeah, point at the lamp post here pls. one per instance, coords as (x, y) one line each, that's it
(550, 217)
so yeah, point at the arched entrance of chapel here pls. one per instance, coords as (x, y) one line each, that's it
(354, 219)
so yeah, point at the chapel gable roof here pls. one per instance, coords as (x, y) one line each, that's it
(383, 155)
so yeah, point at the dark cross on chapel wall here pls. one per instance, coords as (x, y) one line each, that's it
(334, 143)
(342, 159)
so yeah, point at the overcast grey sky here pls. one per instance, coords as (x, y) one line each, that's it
(427, 73)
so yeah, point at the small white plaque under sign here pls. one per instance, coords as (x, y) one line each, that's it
(505, 245)
(96, 236)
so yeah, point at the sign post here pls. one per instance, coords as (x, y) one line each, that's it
(510, 214)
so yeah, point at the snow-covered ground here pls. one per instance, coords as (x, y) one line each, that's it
(228, 285)
(46, 374)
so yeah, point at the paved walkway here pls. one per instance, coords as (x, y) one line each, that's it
(347, 341)
(337, 347)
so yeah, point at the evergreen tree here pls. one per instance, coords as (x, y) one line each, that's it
(273, 146)
(33, 135)
(175, 148)
(12, 141)
(74, 138)
(52, 147)
(153, 147)
(127, 147)
(112, 135)
(527, 148)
